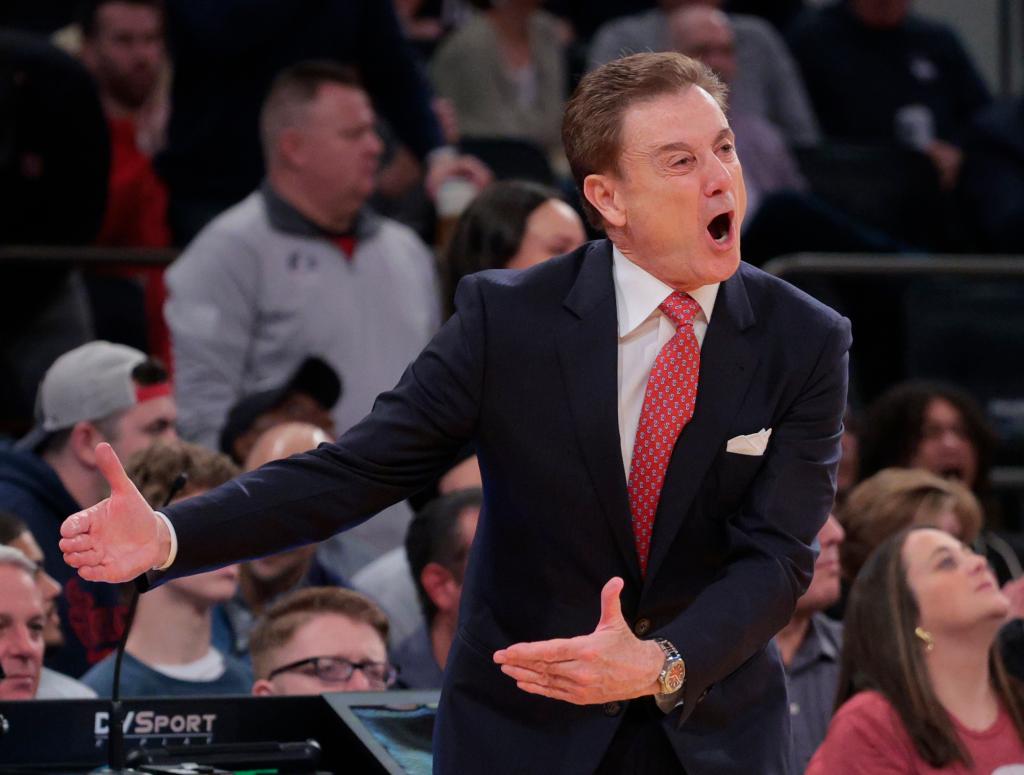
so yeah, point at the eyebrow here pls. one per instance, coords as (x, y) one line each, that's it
(682, 146)
(946, 549)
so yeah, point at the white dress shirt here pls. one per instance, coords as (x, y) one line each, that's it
(643, 331)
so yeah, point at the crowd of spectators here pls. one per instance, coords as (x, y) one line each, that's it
(285, 154)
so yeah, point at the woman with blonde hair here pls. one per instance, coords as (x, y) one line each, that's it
(898, 498)
(922, 685)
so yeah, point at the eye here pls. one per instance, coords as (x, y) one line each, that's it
(947, 563)
(158, 427)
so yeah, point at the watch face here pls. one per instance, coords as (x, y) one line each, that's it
(673, 680)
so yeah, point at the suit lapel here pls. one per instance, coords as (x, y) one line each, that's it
(728, 360)
(587, 348)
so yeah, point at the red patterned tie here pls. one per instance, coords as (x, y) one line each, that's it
(668, 406)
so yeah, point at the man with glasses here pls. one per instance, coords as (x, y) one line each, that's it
(321, 639)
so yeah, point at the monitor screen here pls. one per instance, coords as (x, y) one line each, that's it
(397, 727)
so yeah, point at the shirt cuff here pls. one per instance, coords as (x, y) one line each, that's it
(669, 702)
(174, 542)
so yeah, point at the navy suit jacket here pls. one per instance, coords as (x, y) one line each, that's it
(527, 368)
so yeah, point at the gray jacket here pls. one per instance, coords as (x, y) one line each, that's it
(249, 301)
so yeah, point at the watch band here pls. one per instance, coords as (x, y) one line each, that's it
(673, 673)
(671, 652)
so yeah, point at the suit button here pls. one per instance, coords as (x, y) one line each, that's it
(612, 708)
(642, 627)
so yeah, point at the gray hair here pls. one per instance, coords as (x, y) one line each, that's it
(15, 557)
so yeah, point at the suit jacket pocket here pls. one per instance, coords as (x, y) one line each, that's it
(735, 475)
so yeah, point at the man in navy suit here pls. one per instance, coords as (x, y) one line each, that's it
(687, 540)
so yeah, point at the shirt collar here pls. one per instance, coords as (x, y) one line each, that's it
(283, 216)
(639, 293)
(822, 642)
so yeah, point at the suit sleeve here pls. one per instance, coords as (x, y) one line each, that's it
(771, 561)
(410, 437)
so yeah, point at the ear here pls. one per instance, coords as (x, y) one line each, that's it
(262, 688)
(291, 146)
(602, 192)
(440, 586)
(82, 443)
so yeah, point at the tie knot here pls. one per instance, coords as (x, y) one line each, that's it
(680, 307)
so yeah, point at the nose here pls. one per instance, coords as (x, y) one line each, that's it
(22, 643)
(48, 586)
(977, 563)
(359, 682)
(951, 437)
(374, 143)
(718, 178)
(832, 532)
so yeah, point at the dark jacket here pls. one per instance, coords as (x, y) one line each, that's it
(527, 367)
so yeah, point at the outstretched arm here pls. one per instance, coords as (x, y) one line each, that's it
(410, 437)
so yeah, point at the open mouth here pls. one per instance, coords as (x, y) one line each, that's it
(955, 473)
(720, 226)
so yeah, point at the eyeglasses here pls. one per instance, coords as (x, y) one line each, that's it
(340, 670)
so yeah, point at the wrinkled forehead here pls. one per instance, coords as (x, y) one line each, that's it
(689, 116)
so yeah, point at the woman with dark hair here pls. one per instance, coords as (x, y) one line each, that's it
(928, 425)
(922, 687)
(939, 428)
(512, 224)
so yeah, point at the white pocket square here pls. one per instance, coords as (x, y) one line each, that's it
(751, 444)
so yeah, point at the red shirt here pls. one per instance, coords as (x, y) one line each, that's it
(136, 217)
(867, 737)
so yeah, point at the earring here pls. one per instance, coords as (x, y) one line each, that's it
(926, 637)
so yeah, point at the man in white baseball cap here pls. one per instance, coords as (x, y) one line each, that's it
(97, 392)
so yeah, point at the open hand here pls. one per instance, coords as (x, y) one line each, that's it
(607, 665)
(120, 537)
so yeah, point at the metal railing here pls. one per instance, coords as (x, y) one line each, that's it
(914, 265)
(85, 255)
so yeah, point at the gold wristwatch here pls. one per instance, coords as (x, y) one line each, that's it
(673, 672)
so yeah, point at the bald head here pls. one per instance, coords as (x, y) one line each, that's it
(705, 33)
(283, 441)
